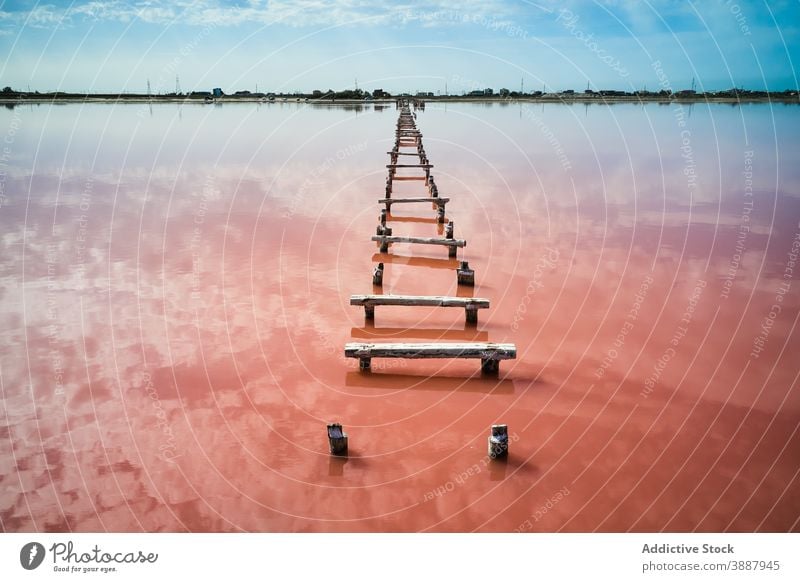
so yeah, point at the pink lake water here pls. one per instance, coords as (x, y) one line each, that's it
(175, 303)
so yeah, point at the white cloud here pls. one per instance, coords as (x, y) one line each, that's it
(295, 13)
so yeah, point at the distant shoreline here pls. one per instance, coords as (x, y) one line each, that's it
(548, 98)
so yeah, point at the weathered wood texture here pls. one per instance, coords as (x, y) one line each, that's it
(498, 441)
(465, 275)
(437, 201)
(471, 305)
(483, 350)
(420, 300)
(490, 354)
(337, 439)
(448, 242)
(409, 165)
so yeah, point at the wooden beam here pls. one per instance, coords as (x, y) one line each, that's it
(489, 353)
(471, 305)
(420, 240)
(437, 201)
(486, 350)
(409, 165)
(420, 300)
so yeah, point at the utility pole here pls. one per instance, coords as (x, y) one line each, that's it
(522, 86)
(177, 85)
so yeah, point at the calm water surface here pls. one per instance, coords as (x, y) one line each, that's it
(174, 306)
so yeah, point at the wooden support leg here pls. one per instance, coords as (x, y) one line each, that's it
(337, 439)
(472, 314)
(369, 312)
(377, 275)
(452, 252)
(383, 218)
(384, 247)
(490, 367)
(465, 275)
(498, 441)
(364, 364)
(439, 214)
(448, 230)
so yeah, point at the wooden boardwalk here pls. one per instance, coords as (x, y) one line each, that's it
(408, 137)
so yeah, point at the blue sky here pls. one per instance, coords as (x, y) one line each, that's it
(286, 45)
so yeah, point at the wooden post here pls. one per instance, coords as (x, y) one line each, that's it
(472, 316)
(452, 252)
(384, 246)
(465, 275)
(490, 367)
(364, 364)
(377, 275)
(337, 439)
(383, 217)
(498, 441)
(369, 312)
(440, 216)
(448, 230)
(383, 230)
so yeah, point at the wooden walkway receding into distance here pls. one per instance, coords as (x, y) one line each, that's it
(407, 136)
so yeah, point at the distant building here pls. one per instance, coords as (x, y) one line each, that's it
(488, 91)
(242, 93)
(504, 92)
(380, 94)
(217, 92)
(424, 94)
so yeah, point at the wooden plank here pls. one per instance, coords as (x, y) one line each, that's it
(431, 199)
(398, 333)
(447, 242)
(484, 351)
(420, 300)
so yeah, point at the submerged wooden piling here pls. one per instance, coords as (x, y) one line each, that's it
(337, 439)
(498, 441)
(465, 275)
(377, 275)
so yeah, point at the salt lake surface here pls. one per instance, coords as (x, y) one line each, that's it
(175, 303)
